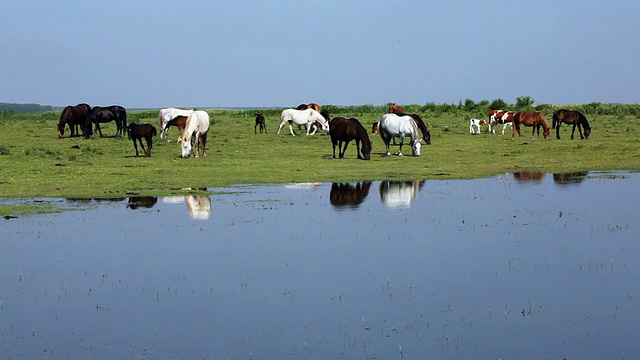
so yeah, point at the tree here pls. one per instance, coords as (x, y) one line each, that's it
(524, 102)
(498, 104)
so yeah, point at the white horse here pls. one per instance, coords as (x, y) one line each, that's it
(198, 124)
(199, 206)
(303, 117)
(166, 115)
(399, 194)
(392, 125)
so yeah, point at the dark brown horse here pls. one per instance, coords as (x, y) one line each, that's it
(99, 115)
(535, 119)
(426, 135)
(349, 195)
(180, 122)
(393, 108)
(261, 122)
(571, 117)
(139, 132)
(343, 131)
(74, 116)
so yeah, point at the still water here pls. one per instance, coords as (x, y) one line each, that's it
(525, 265)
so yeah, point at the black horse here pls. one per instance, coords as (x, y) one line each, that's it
(138, 132)
(73, 116)
(343, 131)
(261, 122)
(99, 115)
(347, 195)
(571, 117)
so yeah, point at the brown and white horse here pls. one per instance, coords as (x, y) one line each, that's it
(393, 108)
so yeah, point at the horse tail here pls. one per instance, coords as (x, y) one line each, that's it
(160, 120)
(555, 120)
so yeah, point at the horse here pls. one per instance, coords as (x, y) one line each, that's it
(535, 119)
(302, 117)
(500, 117)
(571, 117)
(400, 194)
(392, 125)
(199, 206)
(136, 202)
(107, 114)
(349, 195)
(313, 106)
(180, 122)
(168, 114)
(393, 108)
(261, 122)
(138, 132)
(477, 123)
(343, 131)
(74, 116)
(198, 124)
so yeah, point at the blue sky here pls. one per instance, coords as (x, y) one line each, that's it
(282, 53)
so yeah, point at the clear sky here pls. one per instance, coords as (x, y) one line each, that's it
(158, 53)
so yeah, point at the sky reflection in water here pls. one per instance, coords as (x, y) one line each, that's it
(519, 265)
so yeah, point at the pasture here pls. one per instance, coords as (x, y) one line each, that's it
(35, 163)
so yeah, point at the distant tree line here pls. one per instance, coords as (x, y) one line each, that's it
(24, 108)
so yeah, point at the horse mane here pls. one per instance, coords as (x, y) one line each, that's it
(584, 120)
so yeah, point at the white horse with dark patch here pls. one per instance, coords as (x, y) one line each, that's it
(197, 126)
(168, 114)
(392, 125)
(306, 117)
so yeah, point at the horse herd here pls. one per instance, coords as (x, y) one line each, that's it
(193, 126)
(534, 119)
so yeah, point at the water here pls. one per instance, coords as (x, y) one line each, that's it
(524, 265)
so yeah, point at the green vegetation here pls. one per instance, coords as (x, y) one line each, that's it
(35, 163)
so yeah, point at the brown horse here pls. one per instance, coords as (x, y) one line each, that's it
(313, 106)
(535, 119)
(261, 122)
(426, 135)
(179, 121)
(571, 117)
(393, 108)
(139, 132)
(347, 195)
(343, 131)
(74, 116)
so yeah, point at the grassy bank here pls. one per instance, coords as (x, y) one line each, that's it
(34, 162)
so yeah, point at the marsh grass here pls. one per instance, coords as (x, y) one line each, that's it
(35, 162)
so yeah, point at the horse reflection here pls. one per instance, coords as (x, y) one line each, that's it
(529, 176)
(347, 195)
(570, 178)
(136, 202)
(399, 194)
(199, 206)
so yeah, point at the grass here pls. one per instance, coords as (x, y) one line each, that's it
(35, 163)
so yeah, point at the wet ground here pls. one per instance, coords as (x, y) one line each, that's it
(524, 265)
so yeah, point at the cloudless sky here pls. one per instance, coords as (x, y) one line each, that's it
(158, 53)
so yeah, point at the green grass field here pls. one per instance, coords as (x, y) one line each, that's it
(34, 162)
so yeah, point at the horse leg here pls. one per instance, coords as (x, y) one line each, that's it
(180, 133)
(344, 150)
(291, 129)
(203, 140)
(358, 149)
(135, 146)
(401, 142)
(558, 130)
(149, 144)
(142, 145)
(573, 131)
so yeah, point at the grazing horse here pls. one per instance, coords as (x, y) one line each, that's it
(571, 117)
(168, 114)
(349, 195)
(392, 125)
(535, 119)
(74, 116)
(343, 131)
(477, 123)
(303, 117)
(261, 122)
(393, 108)
(180, 122)
(138, 132)
(198, 124)
(400, 194)
(99, 115)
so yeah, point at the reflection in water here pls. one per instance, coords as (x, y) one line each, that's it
(199, 206)
(349, 195)
(399, 194)
(529, 176)
(147, 202)
(473, 275)
(570, 178)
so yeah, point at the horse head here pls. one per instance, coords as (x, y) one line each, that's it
(415, 147)
(366, 150)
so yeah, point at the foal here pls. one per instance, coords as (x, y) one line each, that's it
(137, 132)
(260, 121)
